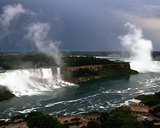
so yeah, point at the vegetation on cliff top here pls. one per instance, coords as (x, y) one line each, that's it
(88, 68)
(40, 60)
(25, 61)
(82, 61)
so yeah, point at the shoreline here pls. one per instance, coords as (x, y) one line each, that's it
(132, 102)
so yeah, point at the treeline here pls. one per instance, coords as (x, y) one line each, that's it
(31, 60)
(81, 61)
(155, 53)
(9, 61)
(150, 100)
(25, 61)
(104, 53)
(92, 53)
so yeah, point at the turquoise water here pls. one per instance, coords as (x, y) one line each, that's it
(102, 95)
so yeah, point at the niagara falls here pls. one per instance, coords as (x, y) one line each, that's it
(79, 64)
(31, 81)
(140, 50)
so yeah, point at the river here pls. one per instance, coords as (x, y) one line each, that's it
(102, 95)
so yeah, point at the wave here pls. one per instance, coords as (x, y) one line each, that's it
(71, 101)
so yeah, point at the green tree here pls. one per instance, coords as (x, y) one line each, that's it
(6, 65)
(93, 124)
(104, 116)
(40, 120)
(121, 118)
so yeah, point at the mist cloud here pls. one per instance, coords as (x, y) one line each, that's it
(38, 34)
(135, 42)
(81, 29)
(11, 12)
(139, 48)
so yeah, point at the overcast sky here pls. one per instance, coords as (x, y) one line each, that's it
(77, 25)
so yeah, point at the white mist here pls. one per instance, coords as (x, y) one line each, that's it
(139, 48)
(59, 73)
(31, 81)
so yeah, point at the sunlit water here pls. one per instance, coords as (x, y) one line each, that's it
(102, 95)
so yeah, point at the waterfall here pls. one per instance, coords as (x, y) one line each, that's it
(59, 73)
(157, 63)
(31, 81)
(140, 49)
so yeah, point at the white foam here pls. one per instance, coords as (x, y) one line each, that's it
(27, 110)
(134, 101)
(31, 81)
(71, 101)
(140, 50)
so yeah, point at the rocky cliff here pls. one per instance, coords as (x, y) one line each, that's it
(77, 74)
(5, 94)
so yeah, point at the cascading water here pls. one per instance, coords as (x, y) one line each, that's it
(59, 73)
(31, 81)
(140, 50)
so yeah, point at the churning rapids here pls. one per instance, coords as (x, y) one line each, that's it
(42, 90)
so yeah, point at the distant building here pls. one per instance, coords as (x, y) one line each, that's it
(139, 110)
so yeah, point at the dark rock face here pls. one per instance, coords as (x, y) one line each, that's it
(5, 94)
(77, 74)
(96, 67)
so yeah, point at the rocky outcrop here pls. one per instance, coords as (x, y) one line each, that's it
(5, 94)
(97, 67)
(77, 74)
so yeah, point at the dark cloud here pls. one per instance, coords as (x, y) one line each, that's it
(83, 24)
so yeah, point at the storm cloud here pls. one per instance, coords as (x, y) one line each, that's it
(10, 13)
(85, 25)
(38, 34)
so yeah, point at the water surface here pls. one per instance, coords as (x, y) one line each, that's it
(102, 95)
